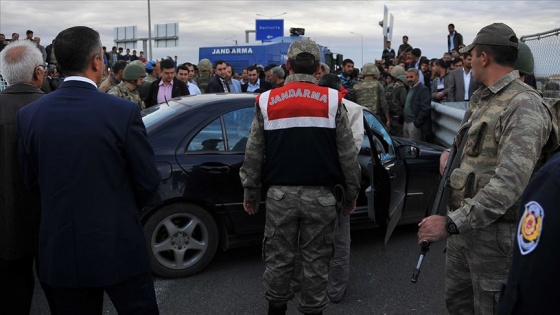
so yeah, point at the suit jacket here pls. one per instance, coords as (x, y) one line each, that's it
(422, 108)
(19, 210)
(264, 86)
(89, 154)
(235, 86)
(457, 40)
(456, 91)
(215, 85)
(179, 89)
(446, 85)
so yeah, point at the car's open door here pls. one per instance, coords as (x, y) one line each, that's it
(387, 174)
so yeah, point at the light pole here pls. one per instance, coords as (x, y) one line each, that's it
(271, 17)
(362, 40)
(149, 31)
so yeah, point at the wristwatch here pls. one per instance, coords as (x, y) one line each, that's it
(450, 226)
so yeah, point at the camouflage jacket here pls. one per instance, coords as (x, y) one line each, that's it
(251, 171)
(122, 91)
(399, 99)
(202, 81)
(389, 95)
(505, 136)
(370, 93)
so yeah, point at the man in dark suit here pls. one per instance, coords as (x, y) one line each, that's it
(461, 82)
(255, 84)
(417, 109)
(24, 69)
(218, 83)
(88, 154)
(167, 86)
(454, 39)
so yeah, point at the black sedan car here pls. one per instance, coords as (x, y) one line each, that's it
(199, 143)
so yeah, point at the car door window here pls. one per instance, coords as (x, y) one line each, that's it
(238, 128)
(388, 151)
(210, 138)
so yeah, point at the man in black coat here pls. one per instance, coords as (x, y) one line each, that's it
(89, 155)
(255, 83)
(19, 210)
(454, 39)
(217, 83)
(417, 109)
(167, 86)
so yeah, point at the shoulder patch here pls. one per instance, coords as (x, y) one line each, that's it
(530, 227)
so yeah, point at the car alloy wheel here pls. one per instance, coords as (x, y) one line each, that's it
(182, 240)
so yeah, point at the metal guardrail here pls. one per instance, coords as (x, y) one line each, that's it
(446, 120)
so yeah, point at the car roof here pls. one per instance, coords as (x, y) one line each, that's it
(157, 114)
(202, 99)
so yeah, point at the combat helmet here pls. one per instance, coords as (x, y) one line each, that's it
(525, 62)
(137, 62)
(402, 78)
(370, 69)
(204, 65)
(132, 72)
(397, 71)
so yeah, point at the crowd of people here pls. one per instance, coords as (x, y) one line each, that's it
(383, 85)
(78, 167)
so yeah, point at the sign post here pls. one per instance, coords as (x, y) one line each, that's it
(269, 29)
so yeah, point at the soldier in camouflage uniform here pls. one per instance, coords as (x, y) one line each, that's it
(204, 74)
(504, 139)
(394, 93)
(152, 68)
(400, 91)
(370, 93)
(529, 287)
(132, 78)
(303, 131)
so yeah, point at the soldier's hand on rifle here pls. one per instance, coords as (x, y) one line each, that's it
(251, 206)
(432, 229)
(443, 161)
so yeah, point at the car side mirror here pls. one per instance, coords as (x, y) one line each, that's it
(409, 151)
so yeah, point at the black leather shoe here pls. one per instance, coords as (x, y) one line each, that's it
(277, 310)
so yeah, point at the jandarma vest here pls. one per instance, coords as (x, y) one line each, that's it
(300, 135)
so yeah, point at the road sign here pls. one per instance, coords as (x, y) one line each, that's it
(269, 29)
(166, 34)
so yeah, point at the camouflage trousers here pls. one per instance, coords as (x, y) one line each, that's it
(298, 216)
(339, 271)
(476, 267)
(340, 264)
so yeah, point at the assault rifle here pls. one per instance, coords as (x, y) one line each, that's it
(443, 192)
(424, 248)
(444, 189)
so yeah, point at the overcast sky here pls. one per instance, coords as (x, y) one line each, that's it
(217, 23)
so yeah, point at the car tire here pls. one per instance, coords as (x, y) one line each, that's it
(182, 239)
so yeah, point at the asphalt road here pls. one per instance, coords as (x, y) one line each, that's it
(379, 282)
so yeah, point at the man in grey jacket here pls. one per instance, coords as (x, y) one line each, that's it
(461, 82)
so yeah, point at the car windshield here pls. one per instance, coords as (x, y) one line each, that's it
(156, 114)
